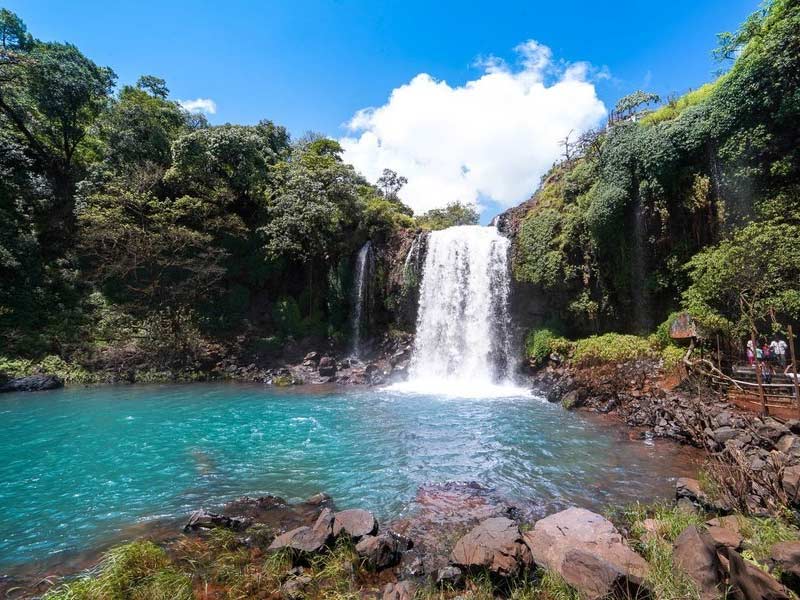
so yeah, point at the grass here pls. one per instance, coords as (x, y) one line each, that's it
(761, 533)
(136, 571)
(674, 108)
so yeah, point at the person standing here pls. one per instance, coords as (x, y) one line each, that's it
(751, 354)
(778, 348)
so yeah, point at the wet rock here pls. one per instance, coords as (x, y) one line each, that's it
(355, 522)
(380, 551)
(319, 499)
(449, 576)
(587, 551)
(32, 383)
(694, 553)
(495, 544)
(202, 519)
(402, 590)
(327, 366)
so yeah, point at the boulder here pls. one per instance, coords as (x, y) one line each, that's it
(327, 366)
(749, 582)
(723, 434)
(381, 551)
(730, 522)
(449, 576)
(587, 551)
(790, 482)
(496, 544)
(307, 540)
(32, 383)
(402, 590)
(686, 487)
(355, 522)
(202, 519)
(694, 553)
(786, 556)
(722, 536)
(311, 358)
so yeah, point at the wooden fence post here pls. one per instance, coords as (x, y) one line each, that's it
(794, 370)
(764, 410)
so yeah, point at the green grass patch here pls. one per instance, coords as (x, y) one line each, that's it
(674, 108)
(137, 571)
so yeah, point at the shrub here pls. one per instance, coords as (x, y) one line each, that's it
(611, 347)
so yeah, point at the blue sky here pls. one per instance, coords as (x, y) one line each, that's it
(312, 65)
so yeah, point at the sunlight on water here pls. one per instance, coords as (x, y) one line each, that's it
(80, 466)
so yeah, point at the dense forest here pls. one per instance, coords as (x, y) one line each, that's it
(690, 203)
(132, 232)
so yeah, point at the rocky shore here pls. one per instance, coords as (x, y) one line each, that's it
(462, 540)
(754, 461)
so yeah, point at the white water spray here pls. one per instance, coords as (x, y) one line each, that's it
(463, 342)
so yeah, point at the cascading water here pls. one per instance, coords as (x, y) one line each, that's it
(463, 342)
(362, 295)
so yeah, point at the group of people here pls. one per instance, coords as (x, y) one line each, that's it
(767, 356)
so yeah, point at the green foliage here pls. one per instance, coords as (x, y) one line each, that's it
(136, 571)
(611, 347)
(762, 533)
(452, 215)
(747, 277)
(541, 343)
(653, 192)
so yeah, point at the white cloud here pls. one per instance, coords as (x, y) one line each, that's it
(204, 105)
(492, 137)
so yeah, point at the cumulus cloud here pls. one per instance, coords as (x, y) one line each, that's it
(203, 105)
(491, 138)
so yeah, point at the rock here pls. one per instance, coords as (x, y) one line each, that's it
(312, 358)
(202, 519)
(786, 556)
(495, 544)
(402, 590)
(327, 366)
(686, 487)
(694, 553)
(307, 540)
(772, 430)
(730, 522)
(749, 581)
(722, 536)
(319, 499)
(597, 578)
(296, 587)
(723, 434)
(379, 551)
(449, 576)
(32, 383)
(790, 482)
(587, 551)
(354, 522)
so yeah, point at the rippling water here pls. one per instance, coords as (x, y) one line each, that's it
(78, 466)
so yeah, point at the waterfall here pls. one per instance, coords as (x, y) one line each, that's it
(362, 300)
(463, 336)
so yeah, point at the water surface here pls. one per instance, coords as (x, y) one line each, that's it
(79, 466)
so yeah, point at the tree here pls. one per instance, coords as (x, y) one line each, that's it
(455, 213)
(155, 85)
(14, 36)
(630, 105)
(747, 278)
(50, 94)
(390, 183)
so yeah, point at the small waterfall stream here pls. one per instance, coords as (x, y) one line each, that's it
(463, 332)
(362, 300)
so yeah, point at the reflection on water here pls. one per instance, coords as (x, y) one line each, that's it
(81, 466)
